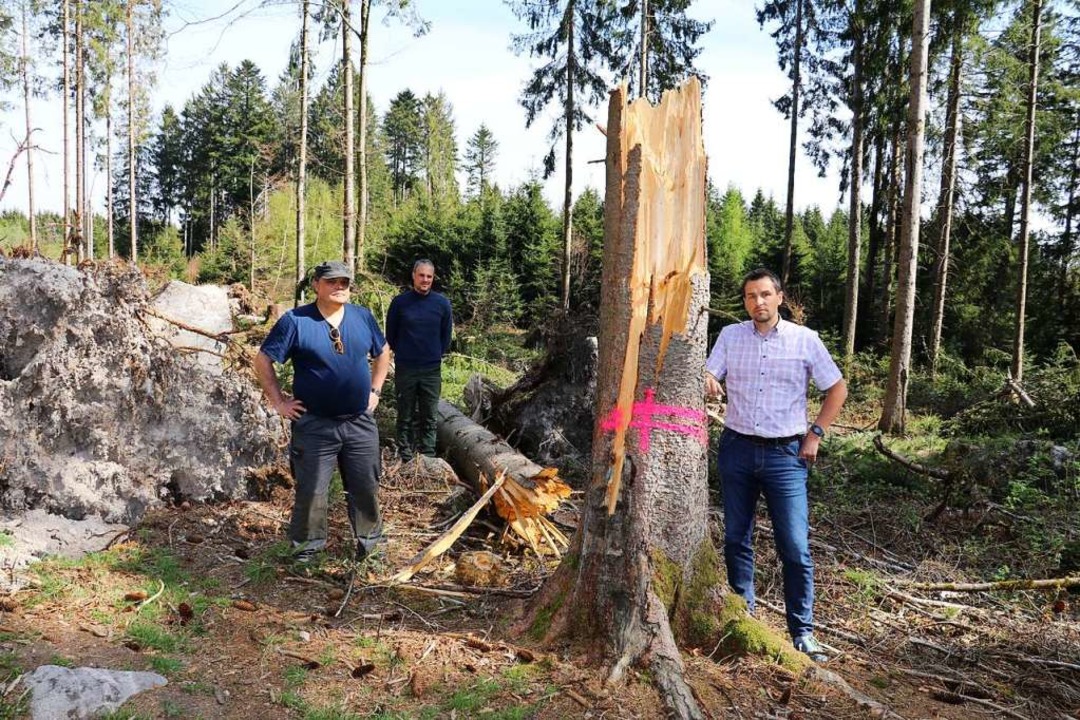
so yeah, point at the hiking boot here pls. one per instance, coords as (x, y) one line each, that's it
(809, 645)
(305, 556)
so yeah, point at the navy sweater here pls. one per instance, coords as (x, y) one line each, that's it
(419, 328)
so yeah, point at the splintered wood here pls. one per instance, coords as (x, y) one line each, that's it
(656, 214)
(528, 492)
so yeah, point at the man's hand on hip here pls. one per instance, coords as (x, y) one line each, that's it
(372, 402)
(289, 408)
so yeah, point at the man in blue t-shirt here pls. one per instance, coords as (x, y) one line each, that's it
(334, 397)
(419, 325)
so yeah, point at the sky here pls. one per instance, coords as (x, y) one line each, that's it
(466, 54)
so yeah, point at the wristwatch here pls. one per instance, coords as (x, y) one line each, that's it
(817, 430)
(376, 392)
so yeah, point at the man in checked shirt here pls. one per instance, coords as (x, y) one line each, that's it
(766, 364)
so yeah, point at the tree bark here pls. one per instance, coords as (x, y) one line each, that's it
(529, 491)
(133, 205)
(948, 187)
(349, 202)
(80, 133)
(642, 568)
(109, 227)
(568, 196)
(1070, 212)
(362, 133)
(1025, 194)
(892, 225)
(25, 68)
(793, 142)
(67, 132)
(643, 70)
(851, 299)
(301, 161)
(893, 413)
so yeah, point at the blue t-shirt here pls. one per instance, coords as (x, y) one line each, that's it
(329, 384)
(419, 328)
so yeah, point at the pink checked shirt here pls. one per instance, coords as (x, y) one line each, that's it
(767, 377)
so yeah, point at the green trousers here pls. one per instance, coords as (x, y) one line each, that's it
(417, 405)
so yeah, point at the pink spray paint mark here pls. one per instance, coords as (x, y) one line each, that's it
(643, 417)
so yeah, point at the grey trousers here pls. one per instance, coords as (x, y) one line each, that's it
(320, 444)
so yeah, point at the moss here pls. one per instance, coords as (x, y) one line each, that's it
(541, 624)
(745, 635)
(700, 599)
(667, 578)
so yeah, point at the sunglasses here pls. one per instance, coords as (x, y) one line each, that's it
(335, 337)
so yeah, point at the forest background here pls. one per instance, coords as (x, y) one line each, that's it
(215, 180)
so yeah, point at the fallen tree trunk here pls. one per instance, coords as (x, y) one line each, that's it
(529, 492)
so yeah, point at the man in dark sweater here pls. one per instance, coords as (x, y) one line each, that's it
(419, 325)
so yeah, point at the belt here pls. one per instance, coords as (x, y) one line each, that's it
(769, 442)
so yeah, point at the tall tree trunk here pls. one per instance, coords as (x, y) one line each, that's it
(642, 567)
(1070, 211)
(25, 68)
(851, 299)
(1025, 195)
(643, 70)
(109, 227)
(892, 227)
(67, 131)
(893, 413)
(80, 132)
(873, 248)
(947, 191)
(251, 226)
(301, 161)
(793, 142)
(361, 225)
(568, 114)
(349, 202)
(133, 205)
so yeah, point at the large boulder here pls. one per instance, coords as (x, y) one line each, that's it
(102, 416)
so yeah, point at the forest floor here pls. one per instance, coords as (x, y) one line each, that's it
(206, 595)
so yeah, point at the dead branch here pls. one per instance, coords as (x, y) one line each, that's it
(22, 147)
(1013, 387)
(1045, 584)
(443, 543)
(936, 473)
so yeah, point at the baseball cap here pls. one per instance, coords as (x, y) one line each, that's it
(332, 269)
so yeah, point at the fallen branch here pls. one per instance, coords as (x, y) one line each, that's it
(1012, 386)
(1046, 584)
(443, 543)
(937, 473)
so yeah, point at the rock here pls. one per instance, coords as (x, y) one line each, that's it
(103, 417)
(205, 307)
(60, 692)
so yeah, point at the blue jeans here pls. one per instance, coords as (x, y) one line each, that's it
(318, 445)
(749, 469)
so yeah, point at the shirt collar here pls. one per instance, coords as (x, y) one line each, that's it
(778, 328)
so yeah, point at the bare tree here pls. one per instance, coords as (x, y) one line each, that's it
(1025, 190)
(349, 202)
(946, 194)
(301, 160)
(893, 413)
(25, 70)
(851, 297)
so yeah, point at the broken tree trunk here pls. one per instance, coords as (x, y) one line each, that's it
(529, 492)
(642, 571)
